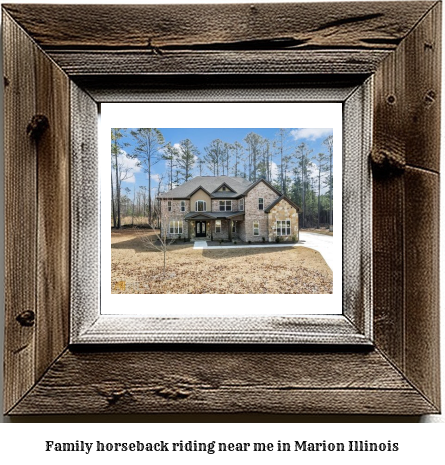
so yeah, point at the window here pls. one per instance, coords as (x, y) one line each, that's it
(234, 226)
(183, 205)
(241, 204)
(256, 228)
(283, 228)
(260, 203)
(175, 227)
(218, 226)
(201, 206)
(225, 205)
(169, 205)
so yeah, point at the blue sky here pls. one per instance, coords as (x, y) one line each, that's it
(201, 138)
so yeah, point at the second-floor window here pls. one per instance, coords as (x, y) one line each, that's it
(241, 205)
(225, 205)
(169, 205)
(183, 205)
(260, 203)
(200, 206)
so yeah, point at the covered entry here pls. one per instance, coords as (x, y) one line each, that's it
(200, 228)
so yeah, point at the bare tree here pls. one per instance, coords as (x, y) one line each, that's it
(201, 163)
(171, 155)
(188, 154)
(149, 142)
(320, 160)
(214, 156)
(281, 148)
(161, 241)
(237, 152)
(329, 142)
(302, 154)
(117, 134)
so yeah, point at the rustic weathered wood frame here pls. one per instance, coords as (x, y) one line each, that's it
(68, 60)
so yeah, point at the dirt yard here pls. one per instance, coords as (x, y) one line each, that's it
(323, 231)
(136, 269)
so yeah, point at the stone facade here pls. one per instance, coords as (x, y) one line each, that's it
(215, 205)
(253, 213)
(174, 215)
(283, 211)
(244, 229)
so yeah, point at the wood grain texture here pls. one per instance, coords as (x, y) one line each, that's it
(422, 364)
(53, 194)
(79, 63)
(400, 376)
(406, 211)
(372, 25)
(20, 212)
(85, 211)
(219, 381)
(423, 91)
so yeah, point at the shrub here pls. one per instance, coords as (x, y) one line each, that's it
(278, 239)
(294, 238)
(234, 242)
(220, 241)
(264, 239)
(249, 242)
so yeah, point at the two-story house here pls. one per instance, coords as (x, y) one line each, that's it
(228, 208)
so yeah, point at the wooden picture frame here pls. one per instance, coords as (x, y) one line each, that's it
(57, 70)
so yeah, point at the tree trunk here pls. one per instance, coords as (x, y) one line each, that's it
(118, 193)
(113, 200)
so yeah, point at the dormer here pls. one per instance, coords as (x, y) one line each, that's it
(224, 187)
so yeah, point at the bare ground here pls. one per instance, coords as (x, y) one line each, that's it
(139, 270)
(324, 231)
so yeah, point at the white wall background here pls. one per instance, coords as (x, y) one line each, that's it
(11, 434)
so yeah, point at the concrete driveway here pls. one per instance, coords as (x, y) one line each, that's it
(320, 242)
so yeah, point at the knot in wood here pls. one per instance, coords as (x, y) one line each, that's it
(26, 318)
(37, 126)
(430, 97)
(386, 162)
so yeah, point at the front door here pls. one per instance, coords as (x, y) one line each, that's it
(200, 228)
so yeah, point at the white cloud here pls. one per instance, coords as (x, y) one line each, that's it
(274, 170)
(130, 164)
(156, 177)
(311, 133)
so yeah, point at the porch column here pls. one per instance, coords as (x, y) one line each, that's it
(229, 222)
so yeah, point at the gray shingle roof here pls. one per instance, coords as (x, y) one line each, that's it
(209, 183)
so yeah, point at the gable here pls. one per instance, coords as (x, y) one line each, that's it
(200, 194)
(224, 187)
(280, 202)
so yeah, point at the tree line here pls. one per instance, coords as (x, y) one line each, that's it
(306, 178)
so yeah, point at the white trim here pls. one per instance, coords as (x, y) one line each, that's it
(285, 227)
(178, 227)
(258, 223)
(204, 206)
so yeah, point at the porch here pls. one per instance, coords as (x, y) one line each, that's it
(214, 226)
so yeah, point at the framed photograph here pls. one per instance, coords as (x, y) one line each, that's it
(216, 286)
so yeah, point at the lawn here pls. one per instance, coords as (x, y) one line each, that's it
(139, 270)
